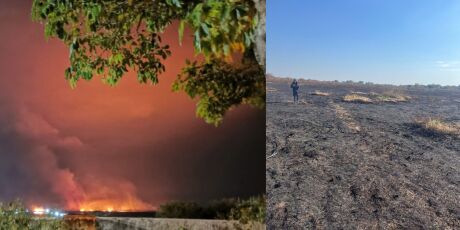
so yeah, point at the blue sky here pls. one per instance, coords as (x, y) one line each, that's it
(381, 41)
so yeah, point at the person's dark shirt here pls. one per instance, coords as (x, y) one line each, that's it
(295, 87)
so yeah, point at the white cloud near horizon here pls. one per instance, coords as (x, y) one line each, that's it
(452, 66)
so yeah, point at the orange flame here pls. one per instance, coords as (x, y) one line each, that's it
(110, 205)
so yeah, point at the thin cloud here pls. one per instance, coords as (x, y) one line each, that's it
(452, 66)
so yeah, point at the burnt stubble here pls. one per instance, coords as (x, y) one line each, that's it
(333, 164)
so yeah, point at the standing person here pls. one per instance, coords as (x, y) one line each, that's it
(295, 89)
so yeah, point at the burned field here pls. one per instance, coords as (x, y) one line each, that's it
(338, 164)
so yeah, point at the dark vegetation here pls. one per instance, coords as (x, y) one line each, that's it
(252, 209)
(14, 216)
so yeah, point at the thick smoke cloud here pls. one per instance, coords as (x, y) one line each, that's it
(29, 166)
(33, 146)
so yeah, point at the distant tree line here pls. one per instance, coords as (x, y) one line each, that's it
(252, 209)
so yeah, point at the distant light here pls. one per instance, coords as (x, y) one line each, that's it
(109, 209)
(56, 214)
(47, 210)
(82, 210)
(38, 211)
(61, 214)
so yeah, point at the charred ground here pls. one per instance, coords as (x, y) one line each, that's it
(333, 164)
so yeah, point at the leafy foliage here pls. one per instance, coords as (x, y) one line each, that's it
(109, 38)
(13, 216)
(220, 86)
(252, 209)
(222, 27)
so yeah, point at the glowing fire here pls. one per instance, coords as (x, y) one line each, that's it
(103, 198)
(38, 211)
(109, 209)
(108, 205)
(103, 205)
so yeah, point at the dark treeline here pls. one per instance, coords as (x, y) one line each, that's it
(252, 209)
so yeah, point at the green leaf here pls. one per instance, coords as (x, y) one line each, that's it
(226, 49)
(205, 28)
(116, 58)
(67, 73)
(238, 14)
(100, 70)
(247, 40)
(141, 77)
(181, 30)
(73, 82)
(197, 41)
(177, 3)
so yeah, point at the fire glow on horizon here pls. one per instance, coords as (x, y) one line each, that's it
(100, 206)
(118, 205)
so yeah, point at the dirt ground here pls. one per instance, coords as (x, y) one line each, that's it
(333, 164)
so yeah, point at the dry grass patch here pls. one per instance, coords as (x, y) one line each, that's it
(439, 126)
(356, 98)
(319, 93)
(392, 96)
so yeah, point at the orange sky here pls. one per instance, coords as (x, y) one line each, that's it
(134, 142)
